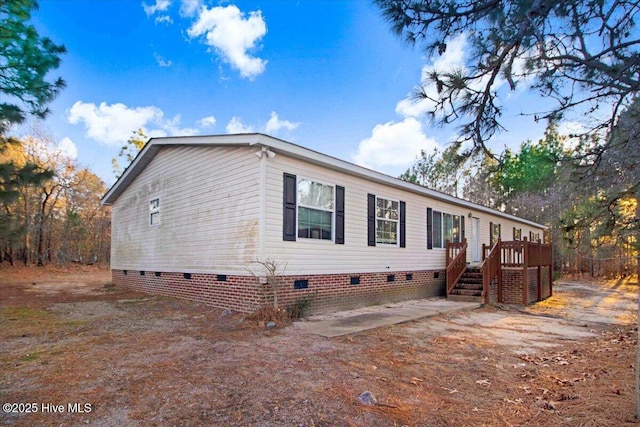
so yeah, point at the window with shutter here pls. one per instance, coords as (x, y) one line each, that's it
(312, 210)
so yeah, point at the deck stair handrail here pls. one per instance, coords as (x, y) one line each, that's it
(490, 267)
(456, 263)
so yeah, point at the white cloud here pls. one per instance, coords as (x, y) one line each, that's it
(272, 126)
(163, 19)
(161, 61)
(451, 59)
(207, 122)
(393, 144)
(275, 124)
(68, 148)
(159, 6)
(232, 35)
(171, 127)
(188, 8)
(235, 125)
(113, 124)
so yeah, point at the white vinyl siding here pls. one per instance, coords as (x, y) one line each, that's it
(210, 208)
(305, 257)
(215, 218)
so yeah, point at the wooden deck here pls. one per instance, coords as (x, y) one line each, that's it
(516, 272)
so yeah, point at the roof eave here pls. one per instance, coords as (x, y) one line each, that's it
(292, 150)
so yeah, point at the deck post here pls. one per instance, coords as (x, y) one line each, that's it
(550, 269)
(525, 272)
(500, 259)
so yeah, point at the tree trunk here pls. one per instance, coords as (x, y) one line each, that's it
(637, 196)
(41, 224)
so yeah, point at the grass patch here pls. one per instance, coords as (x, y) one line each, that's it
(22, 313)
(30, 357)
(25, 321)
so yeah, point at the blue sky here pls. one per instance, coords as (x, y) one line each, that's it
(327, 75)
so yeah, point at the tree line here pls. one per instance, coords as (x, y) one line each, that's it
(54, 216)
(582, 58)
(591, 216)
(49, 207)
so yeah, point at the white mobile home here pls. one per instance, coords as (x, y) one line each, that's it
(193, 216)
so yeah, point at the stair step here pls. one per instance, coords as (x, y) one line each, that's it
(469, 292)
(469, 286)
(466, 298)
(470, 281)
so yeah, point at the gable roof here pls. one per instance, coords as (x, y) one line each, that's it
(151, 148)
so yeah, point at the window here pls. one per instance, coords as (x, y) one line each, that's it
(154, 211)
(534, 237)
(312, 210)
(494, 230)
(387, 220)
(315, 210)
(445, 227)
(517, 233)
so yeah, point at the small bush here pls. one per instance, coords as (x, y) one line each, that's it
(299, 309)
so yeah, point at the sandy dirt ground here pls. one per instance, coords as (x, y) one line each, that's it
(75, 350)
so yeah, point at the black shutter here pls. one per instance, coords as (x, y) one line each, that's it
(289, 208)
(339, 215)
(371, 219)
(429, 228)
(403, 224)
(462, 233)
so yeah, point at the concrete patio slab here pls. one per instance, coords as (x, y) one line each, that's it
(354, 321)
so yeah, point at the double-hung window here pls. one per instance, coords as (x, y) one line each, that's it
(312, 210)
(316, 203)
(446, 226)
(387, 221)
(154, 211)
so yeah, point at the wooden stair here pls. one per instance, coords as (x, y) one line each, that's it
(469, 287)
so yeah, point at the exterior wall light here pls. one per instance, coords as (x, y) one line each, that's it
(265, 150)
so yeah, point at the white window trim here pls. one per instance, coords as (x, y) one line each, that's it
(397, 243)
(155, 211)
(333, 211)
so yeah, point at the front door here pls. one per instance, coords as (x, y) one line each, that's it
(475, 239)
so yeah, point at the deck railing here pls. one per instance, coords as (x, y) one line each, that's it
(490, 268)
(517, 254)
(456, 263)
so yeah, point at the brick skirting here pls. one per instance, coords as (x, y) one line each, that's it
(326, 293)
